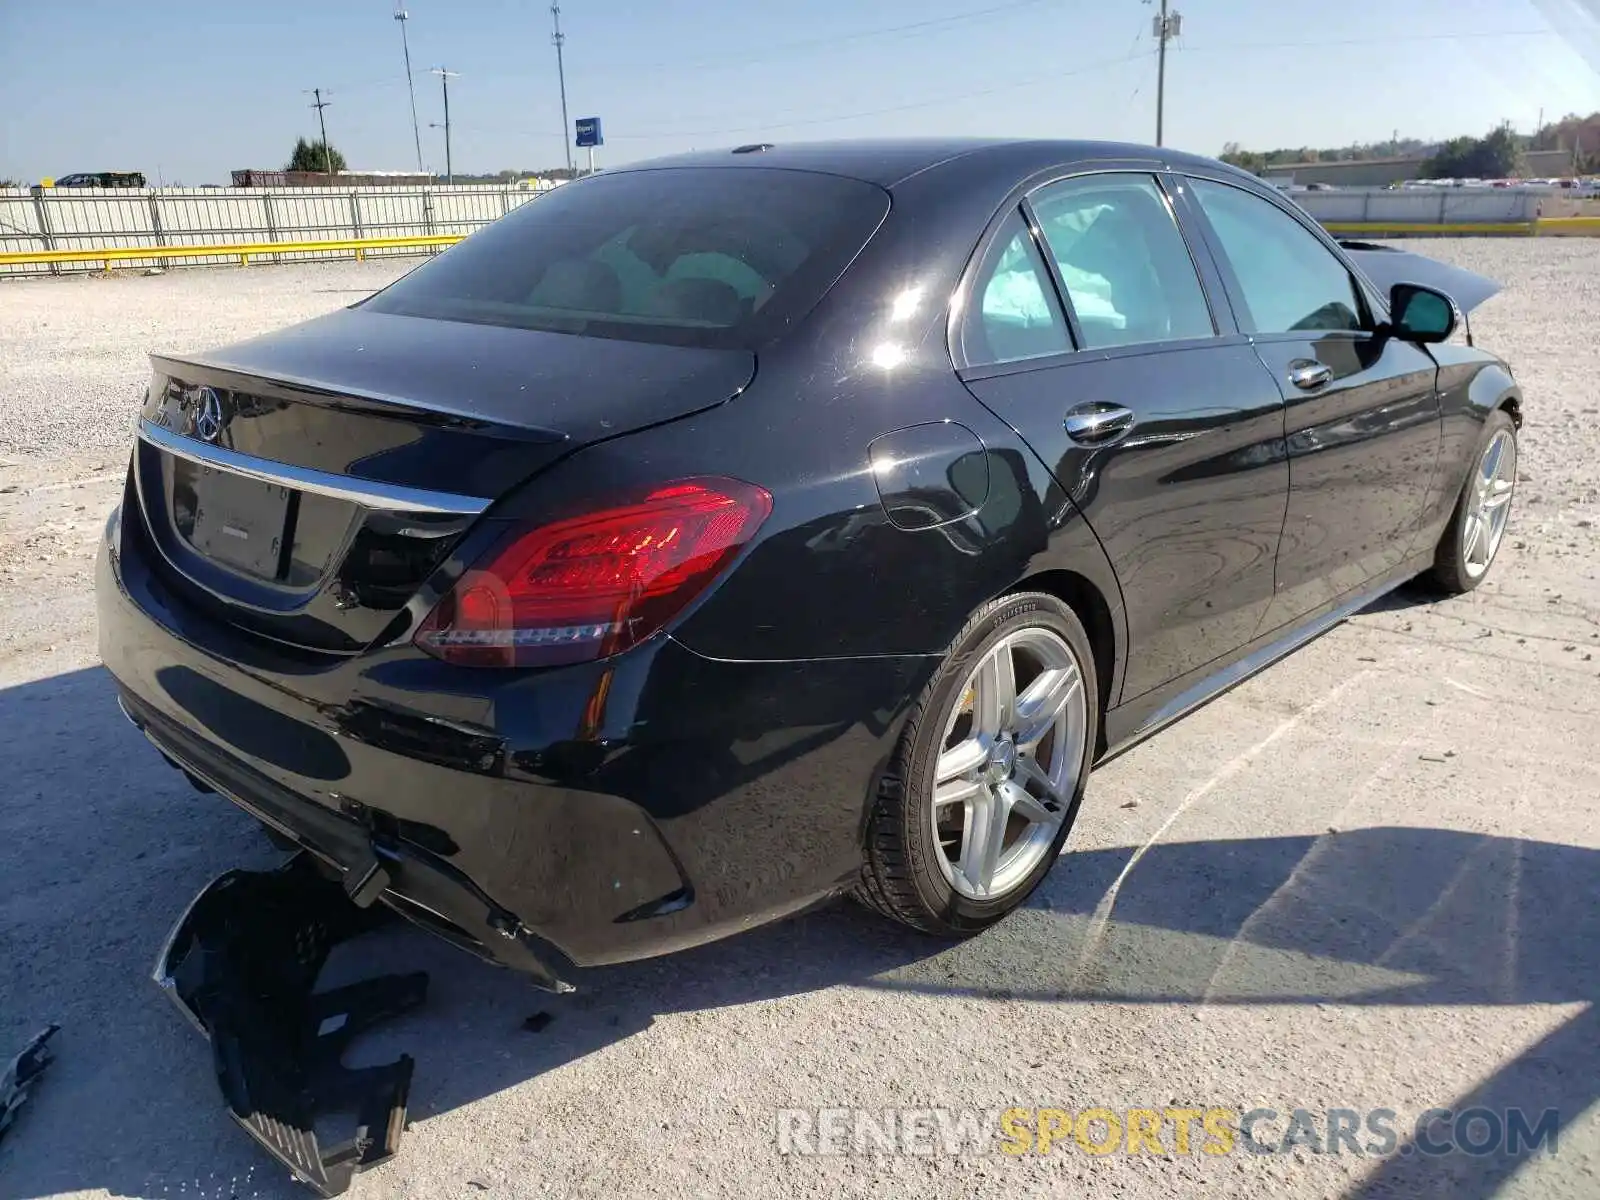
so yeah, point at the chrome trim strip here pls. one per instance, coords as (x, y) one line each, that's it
(368, 494)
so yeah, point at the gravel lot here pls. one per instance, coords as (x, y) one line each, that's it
(1368, 878)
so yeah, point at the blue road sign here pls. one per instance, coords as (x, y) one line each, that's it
(588, 130)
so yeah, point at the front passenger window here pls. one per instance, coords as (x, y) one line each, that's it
(1290, 281)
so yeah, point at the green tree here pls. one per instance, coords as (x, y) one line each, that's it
(314, 156)
(1497, 156)
(1249, 160)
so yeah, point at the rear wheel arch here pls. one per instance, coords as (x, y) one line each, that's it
(1080, 594)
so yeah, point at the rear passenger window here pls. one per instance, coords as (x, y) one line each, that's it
(1290, 281)
(1126, 267)
(1012, 313)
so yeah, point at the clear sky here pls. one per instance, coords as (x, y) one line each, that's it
(188, 89)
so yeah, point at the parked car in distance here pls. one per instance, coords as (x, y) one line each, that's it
(102, 179)
(723, 533)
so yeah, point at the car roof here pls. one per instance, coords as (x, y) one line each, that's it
(890, 161)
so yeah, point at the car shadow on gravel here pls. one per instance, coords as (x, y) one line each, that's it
(1414, 593)
(101, 845)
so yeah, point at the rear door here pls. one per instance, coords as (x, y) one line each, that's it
(1087, 329)
(1362, 408)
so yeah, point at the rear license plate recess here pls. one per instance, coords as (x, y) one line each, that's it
(239, 521)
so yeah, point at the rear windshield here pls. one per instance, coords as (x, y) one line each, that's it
(713, 257)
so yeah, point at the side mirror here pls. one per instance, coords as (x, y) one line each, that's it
(1421, 314)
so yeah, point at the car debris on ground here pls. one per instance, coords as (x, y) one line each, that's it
(22, 1073)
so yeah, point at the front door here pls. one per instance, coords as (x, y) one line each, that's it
(1166, 432)
(1362, 407)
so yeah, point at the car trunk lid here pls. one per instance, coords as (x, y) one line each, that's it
(304, 485)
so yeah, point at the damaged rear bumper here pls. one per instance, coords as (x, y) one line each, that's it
(374, 864)
(241, 964)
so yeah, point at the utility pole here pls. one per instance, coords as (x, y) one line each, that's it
(319, 105)
(402, 16)
(1166, 26)
(444, 81)
(560, 40)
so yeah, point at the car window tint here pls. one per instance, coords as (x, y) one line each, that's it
(1126, 267)
(1012, 313)
(1289, 280)
(690, 256)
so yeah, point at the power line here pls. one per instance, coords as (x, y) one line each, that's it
(1372, 41)
(782, 49)
(775, 51)
(852, 114)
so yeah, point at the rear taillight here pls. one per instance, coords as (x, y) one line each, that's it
(594, 585)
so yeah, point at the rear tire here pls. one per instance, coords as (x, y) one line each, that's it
(986, 781)
(1470, 542)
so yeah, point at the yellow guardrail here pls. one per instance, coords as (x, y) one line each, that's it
(1570, 226)
(1543, 227)
(243, 251)
(1401, 228)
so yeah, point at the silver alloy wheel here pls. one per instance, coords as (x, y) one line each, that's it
(1009, 763)
(1483, 522)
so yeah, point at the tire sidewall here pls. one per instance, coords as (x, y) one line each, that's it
(1007, 616)
(1457, 578)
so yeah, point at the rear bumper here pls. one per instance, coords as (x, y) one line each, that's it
(584, 815)
(419, 885)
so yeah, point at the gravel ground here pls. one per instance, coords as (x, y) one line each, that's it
(1369, 878)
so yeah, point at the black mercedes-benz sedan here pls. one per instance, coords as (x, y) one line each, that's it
(715, 535)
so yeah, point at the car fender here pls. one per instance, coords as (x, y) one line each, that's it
(1472, 384)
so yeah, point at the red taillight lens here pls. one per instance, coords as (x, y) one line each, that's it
(594, 585)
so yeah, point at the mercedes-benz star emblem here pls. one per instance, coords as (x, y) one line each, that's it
(208, 415)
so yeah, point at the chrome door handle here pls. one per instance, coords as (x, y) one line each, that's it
(1097, 424)
(1308, 374)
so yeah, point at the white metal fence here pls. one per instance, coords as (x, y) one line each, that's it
(1422, 206)
(124, 218)
(127, 218)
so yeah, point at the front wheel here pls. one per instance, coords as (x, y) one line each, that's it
(1471, 540)
(986, 781)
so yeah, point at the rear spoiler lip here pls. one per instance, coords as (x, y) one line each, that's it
(202, 368)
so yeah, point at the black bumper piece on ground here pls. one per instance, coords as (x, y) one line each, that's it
(17, 1080)
(241, 964)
